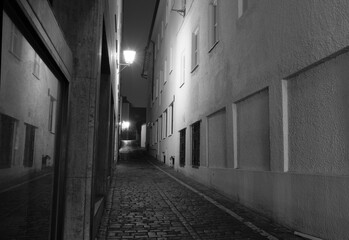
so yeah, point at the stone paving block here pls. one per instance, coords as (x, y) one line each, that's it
(148, 204)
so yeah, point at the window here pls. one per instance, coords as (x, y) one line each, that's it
(116, 23)
(52, 115)
(164, 124)
(171, 60)
(160, 98)
(195, 49)
(158, 42)
(182, 147)
(7, 133)
(213, 16)
(162, 80)
(16, 42)
(156, 131)
(170, 120)
(29, 145)
(183, 4)
(159, 128)
(242, 7)
(168, 9)
(36, 69)
(156, 88)
(165, 71)
(182, 78)
(195, 131)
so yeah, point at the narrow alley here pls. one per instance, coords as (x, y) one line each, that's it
(149, 200)
(174, 119)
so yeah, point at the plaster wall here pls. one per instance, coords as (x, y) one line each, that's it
(253, 144)
(318, 119)
(216, 139)
(286, 144)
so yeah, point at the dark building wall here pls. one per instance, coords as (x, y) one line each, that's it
(70, 36)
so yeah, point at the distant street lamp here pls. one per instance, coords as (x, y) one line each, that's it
(125, 125)
(129, 56)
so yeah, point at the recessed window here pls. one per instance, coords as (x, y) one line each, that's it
(16, 41)
(213, 16)
(195, 131)
(182, 78)
(160, 98)
(164, 124)
(242, 7)
(156, 88)
(165, 71)
(168, 9)
(116, 23)
(52, 115)
(195, 49)
(182, 134)
(162, 30)
(171, 60)
(36, 69)
(170, 120)
(159, 128)
(158, 41)
(156, 129)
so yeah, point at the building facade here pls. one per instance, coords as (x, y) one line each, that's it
(250, 98)
(59, 105)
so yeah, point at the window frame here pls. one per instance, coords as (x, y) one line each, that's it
(182, 73)
(213, 24)
(195, 144)
(195, 50)
(182, 147)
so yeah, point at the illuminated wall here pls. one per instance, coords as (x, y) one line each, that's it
(265, 82)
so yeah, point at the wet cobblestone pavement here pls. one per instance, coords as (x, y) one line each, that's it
(149, 200)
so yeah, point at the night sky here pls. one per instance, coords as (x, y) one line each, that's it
(138, 16)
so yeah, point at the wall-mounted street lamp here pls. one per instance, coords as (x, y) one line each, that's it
(129, 56)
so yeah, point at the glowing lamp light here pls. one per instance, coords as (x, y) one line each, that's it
(129, 56)
(125, 125)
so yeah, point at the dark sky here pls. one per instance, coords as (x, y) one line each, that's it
(138, 16)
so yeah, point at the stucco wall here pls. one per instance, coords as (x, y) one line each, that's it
(318, 114)
(284, 113)
(253, 147)
(216, 139)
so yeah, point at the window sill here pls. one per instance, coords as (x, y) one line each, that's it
(195, 166)
(15, 55)
(182, 165)
(36, 76)
(213, 46)
(194, 68)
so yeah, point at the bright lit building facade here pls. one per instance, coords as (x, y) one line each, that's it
(250, 98)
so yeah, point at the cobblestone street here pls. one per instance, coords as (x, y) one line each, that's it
(149, 200)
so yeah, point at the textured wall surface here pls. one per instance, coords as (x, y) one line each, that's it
(318, 119)
(253, 132)
(300, 130)
(216, 138)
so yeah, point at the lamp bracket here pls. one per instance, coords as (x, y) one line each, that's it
(123, 64)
